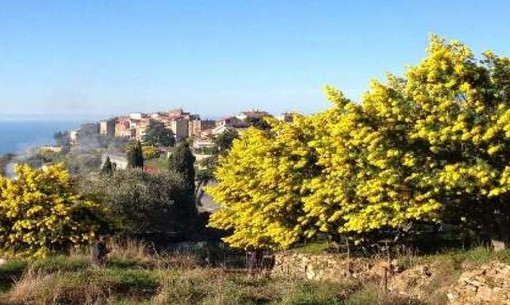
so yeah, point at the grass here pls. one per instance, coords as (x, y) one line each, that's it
(313, 248)
(10, 272)
(375, 296)
(132, 277)
(459, 258)
(160, 163)
(61, 263)
(12, 268)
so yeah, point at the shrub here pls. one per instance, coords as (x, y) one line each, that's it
(41, 212)
(140, 202)
(428, 147)
(150, 152)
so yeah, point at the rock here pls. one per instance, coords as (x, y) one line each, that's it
(325, 267)
(489, 284)
(411, 282)
(498, 245)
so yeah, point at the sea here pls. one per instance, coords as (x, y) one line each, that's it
(18, 136)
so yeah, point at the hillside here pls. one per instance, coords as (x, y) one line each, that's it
(134, 277)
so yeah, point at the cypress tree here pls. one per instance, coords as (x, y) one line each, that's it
(135, 156)
(182, 161)
(139, 155)
(107, 168)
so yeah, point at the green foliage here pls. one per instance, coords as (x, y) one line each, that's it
(139, 202)
(182, 290)
(207, 168)
(224, 141)
(11, 271)
(160, 163)
(157, 134)
(62, 138)
(457, 258)
(61, 263)
(315, 248)
(207, 150)
(182, 161)
(312, 294)
(41, 212)
(117, 262)
(129, 282)
(107, 168)
(135, 156)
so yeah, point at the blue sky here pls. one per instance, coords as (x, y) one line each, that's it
(97, 57)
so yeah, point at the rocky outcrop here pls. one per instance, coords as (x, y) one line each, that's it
(487, 285)
(427, 282)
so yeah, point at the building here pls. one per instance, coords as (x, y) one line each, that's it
(85, 130)
(160, 116)
(252, 115)
(141, 128)
(179, 114)
(196, 126)
(123, 128)
(138, 115)
(180, 129)
(286, 117)
(73, 136)
(107, 128)
(50, 149)
(220, 129)
(232, 122)
(203, 143)
(206, 134)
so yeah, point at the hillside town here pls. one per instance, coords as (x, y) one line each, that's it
(184, 125)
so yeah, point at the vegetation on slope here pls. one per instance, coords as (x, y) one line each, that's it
(134, 277)
(428, 147)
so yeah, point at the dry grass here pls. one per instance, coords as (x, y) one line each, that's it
(374, 295)
(134, 276)
(98, 286)
(130, 249)
(39, 288)
(205, 286)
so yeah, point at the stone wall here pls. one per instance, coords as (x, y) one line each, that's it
(487, 285)
(326, 267)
